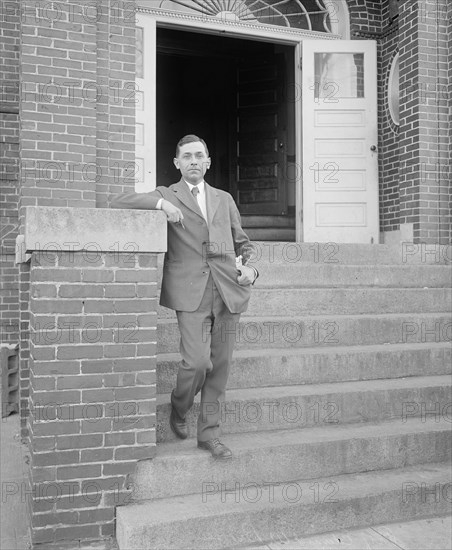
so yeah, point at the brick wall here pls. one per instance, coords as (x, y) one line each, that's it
(77, 120)
(115, 137)
(372, 21)
(388, 130)
(450, 118)
(424, 129)
(58, 107)
(92, 359)
(78, 101)
(9, 168)
(92, 397)
(24, 345)
(365, 16)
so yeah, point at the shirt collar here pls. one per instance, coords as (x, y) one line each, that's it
(200, 186)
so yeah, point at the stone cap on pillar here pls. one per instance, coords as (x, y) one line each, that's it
(102, 229)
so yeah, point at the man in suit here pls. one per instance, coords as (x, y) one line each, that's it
(203, 283)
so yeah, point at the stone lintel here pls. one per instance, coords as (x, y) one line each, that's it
(97, 229)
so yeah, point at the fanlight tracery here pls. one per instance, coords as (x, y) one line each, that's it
(313, 15)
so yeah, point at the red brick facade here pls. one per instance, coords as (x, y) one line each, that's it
(9, 167)
(424, 141)
(92, 395)
(76, 145)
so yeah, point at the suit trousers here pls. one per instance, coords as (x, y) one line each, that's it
(207, 342)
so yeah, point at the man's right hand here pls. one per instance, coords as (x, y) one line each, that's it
(173, 213)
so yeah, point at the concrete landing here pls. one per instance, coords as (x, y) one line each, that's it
(425, 534)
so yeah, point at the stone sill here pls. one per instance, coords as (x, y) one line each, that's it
(97, 229)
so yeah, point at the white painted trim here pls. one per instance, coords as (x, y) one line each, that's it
(148, 152)
(298, 145)
(339, 17)
(282, 35)
(390, 93)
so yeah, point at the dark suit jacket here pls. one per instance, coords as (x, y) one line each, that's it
(200, 248)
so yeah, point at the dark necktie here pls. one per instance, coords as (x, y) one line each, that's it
(195, 193)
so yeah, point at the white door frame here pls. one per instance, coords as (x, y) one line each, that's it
(267, 33)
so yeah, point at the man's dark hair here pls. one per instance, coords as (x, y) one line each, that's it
(190, 138)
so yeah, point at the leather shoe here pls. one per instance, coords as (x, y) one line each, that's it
(218, 450)
(178, 424)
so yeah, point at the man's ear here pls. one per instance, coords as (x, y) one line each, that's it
(176, 163)
(208, 162)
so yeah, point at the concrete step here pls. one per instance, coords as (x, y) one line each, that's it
(353, 254)
(325, 331)
(289, 455)
(342, 301)
(277, 367)
(312, 275)
(271, 233)
(249, 220)
(290, 407)
(253, 513)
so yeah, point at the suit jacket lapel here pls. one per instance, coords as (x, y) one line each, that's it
(212, 201)
(183, 194)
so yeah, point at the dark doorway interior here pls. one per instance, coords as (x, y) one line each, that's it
(233, 93)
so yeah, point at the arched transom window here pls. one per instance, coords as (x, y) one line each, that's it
(312, 15)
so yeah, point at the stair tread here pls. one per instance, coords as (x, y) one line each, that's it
(274, 392)
(291, 318)
(371, 348)
(351, 486)
(250, 441)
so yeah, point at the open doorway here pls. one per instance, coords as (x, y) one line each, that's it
(234, 93)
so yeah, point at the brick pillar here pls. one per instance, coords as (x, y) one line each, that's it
(424, 124)
(117, 98)
(9, 167)
(93, 286)
(449, 18)
(24, 343)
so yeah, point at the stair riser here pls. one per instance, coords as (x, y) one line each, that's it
(325, 332)
(161, 478)
(293, 275)
(290, 412)
(340, 301)
(333, 275)
(314, 513)
(317, 368)
(271, 233)
(284, 253)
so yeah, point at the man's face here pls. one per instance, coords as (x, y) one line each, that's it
(193, 162)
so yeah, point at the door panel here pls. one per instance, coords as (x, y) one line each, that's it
(259, 165)
(340, 164)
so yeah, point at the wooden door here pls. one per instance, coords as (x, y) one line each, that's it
(259, 166)
(340, 139)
